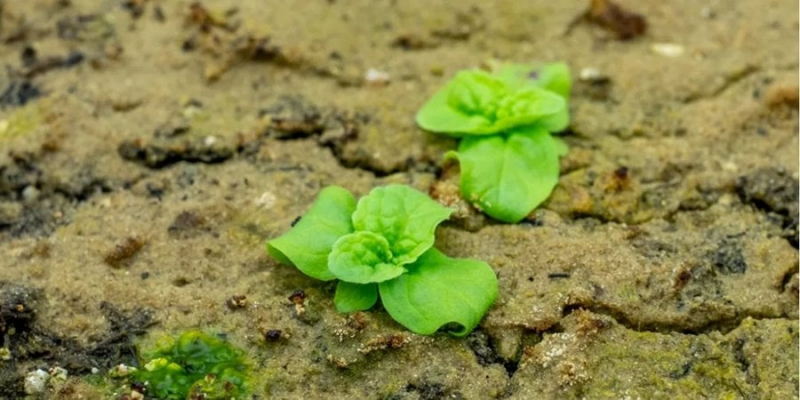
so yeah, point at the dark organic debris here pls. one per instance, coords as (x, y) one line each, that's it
(485, 352)
(188, 224)
(728, 258)
(623, 24)
(413, 41)
(160, 154)
(18, 305)
(33, 202)
(782, 95)
(31, 346)
(19, 93)
(772, 190)
(35, 65)
(199, 15)
(122, 254)
(293, 117)
(236, 302)
(135, 7)
(426, 390)
(272, 335)
(298, 297)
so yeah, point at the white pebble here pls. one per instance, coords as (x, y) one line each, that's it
(267, 200)
(591, 74)
(36, 381)
(667, 49)
(376, 77)
(30, 193)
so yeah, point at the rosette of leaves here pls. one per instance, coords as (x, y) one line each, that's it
(382, 245)
(508, 157)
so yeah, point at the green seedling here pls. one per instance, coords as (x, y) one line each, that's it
(509, 159)
(382, 245)
(194, 366)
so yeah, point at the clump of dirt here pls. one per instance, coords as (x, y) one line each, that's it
(148, 149)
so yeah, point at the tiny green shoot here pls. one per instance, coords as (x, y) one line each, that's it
(385, 249)
(509, 159)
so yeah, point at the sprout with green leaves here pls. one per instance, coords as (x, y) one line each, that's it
(383, 245)
(509, 159)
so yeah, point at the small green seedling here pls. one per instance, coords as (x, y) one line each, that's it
(194, 366)
(509, 159)
(383, 244)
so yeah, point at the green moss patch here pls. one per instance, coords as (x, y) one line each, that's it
(196, 365)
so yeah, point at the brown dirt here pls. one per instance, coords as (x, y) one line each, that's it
(149, 148)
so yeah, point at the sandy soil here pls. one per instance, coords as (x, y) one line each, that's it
(149, 148)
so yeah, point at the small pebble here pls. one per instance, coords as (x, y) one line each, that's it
(266, 200)
(272, 335)
(30, 193)
(591, 74)
(667, 49)
(120, 371)
(376, 77)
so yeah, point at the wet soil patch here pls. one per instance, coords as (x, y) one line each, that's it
(18, 93)
(33, 346)
(485, 350)
(773, 191)
(32, 202)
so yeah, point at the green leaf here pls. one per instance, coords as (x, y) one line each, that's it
(551, 77)
(352, 297)
(507, 176)
(478, 103)
(439, 291)
(405, 217)
(363, 257)
(309, 242)
(554, 77)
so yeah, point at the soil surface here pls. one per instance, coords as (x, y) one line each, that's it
(149, 148)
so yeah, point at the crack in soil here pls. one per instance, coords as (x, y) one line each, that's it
(729, 81)
(722, 326)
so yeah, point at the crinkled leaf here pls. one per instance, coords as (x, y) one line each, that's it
(309, 242)
(405, 217)
(507, 176)
(478, 103)
(553, 77)
(352, 297)
(457, 107)
(363, 257)
(439, 291)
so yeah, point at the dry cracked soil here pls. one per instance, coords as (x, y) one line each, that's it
(149, 148)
